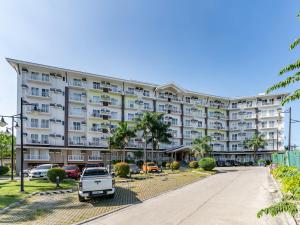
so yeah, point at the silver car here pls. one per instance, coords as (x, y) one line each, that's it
(41, 171)
(134, 169)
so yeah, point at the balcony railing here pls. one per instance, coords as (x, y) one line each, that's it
(75, 157)
(37, 142)
(94, 158)
(76, 143)
(80, 84)
(42, 157)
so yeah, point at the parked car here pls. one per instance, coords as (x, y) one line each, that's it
(72, 171)
(41, 171)
(94, 182)
(134, 169)
(150, 167)
(25, 172)
(220, 163)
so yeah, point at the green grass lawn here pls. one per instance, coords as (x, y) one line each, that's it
(10, 190)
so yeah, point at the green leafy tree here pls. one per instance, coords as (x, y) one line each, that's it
(122, 136)
(255, 143)
(158, 130)
(5, 146)
(291, 78)
(201, 146)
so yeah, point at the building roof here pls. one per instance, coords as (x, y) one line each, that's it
(15, 64)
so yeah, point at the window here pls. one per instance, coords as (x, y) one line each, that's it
(249, 115)
(249, 103)
(199, 124)
(76, 140)
(34, 91)
(234, 137)
(76, 125)
(34, 76)
(130, 90)
(34, 123)
(96, 99)
(188, 111)
(188, 99)
(44, 139)
(45, 92)
(76, 111)
(45, 77)
(234, 147)
(146, 105)
(174, 121)
(146, 93)
(45, 108)
(76, 97)
(114, 101)
(96, 140)
(34, 138)
(263, 113)
(271, 112)
(271, 135)
(234, 116)
(187, 123)
(234, 105)
(263, 124)
(114, 115)
(96, 85)
(130, 116)
(131, 104)
(76, 82)
(44, 123)
(271, 123)
(187, 133)
(161, 108)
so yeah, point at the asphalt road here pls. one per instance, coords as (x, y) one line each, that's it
(231, 197)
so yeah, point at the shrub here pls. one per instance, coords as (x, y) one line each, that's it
(175, 165)
(284, 171)
(3, 170)
(164, 163)
(207, 163)
(129, 161)
(115, 161)
(122, 169)
(168, 165)
(56, 172)
(193, 164)
(291, 183)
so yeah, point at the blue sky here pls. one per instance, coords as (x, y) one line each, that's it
(227, 48)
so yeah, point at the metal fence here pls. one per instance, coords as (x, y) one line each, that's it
(288, 158)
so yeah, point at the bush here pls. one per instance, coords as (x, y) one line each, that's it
(129, 161)
(207, 163)
(115, 161)
(168, 165)
(284, 171)
(3, 170)
(291, 183)
(164, 163)
(122, 169)
(193, 164)
(56, 172)
(175, 165)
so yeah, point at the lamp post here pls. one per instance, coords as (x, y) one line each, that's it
(145, 148)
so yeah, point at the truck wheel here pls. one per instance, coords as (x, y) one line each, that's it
(111, 195)
(81, 199)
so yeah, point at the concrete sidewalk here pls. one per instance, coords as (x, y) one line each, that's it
(232, 197)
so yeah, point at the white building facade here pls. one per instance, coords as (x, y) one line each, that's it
(76, 111)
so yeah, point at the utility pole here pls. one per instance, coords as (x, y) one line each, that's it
(290, 128)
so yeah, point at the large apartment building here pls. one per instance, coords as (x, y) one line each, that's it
(75, 111)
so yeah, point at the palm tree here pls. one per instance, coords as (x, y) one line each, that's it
(122, 136)
(201, 146)
(255, 143)
(152, 123)
(291, 78)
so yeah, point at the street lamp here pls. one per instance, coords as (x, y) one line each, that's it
(145, 147)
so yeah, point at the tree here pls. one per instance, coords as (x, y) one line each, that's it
(122, 136)
(153, 123)
(5, 144)
(255, 143)
(201, 146)
(291, 79)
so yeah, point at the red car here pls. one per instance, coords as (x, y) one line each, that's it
(72, 171)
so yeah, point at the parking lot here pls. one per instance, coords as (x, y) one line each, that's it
(66, 209)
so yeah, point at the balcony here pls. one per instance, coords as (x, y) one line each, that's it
(217, 127)
(77, 84)
(39, 96)
(42, 157)
(76, 129)
(98, 144)
(77, 143)
(38, 79)
(268, 115)
(37, 142)
(76, 100)
(76, 114)
(94, 158)
(76, 158)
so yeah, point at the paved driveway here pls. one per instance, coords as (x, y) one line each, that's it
(232, 197)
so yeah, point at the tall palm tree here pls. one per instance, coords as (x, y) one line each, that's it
(255, 143)
(201, 146)
(291, 78)
(122, 136)
(152, 123)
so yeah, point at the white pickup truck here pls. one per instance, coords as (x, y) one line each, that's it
(95, 182)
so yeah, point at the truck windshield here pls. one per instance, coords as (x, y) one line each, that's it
(95, 172)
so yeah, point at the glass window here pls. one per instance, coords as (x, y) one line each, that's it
(96, 85)
(44, 123)
(34, 122)
(95, 172)
(45, 77)
(34, 138)
(45, 92)
(45, 108)
(34, 76)
(34, 91)
(130, 116)
(44, 139)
